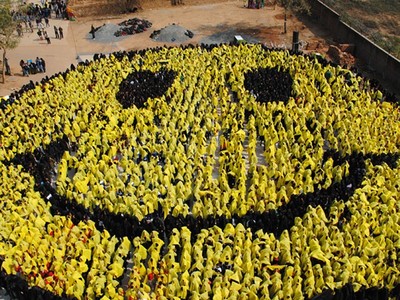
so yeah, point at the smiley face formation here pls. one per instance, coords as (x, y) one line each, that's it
(218, 172)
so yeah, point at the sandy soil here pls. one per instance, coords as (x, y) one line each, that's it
(225, 19)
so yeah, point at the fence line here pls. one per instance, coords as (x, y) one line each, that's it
(377, 59)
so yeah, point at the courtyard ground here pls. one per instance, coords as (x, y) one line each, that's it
(209, 22)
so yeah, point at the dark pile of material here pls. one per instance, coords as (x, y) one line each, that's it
(132, 26)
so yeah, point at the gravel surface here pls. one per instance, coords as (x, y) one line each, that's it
(106, 32)
(228, 36)
(172, 34)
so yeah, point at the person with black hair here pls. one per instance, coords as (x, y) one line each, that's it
(39, 65)
(61, 32)
(24, 67)
(19, 30)
(56, 32)
(43, 64)
(93, 32)
(30, 25)
(39, 33)
(8, 69)
(46, 36)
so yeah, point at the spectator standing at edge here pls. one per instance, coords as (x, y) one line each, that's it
(39, 33)
(24, 67)
(30, 25)
(60, 32)
(39, 65)
(19, 30)
(8, 69)
(47, 39)
(92, 31)
(43, 64)
(56, 32)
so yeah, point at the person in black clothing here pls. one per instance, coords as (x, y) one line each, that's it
(30, 25)
(8, 69)
(56, 32)
(39, 33)
(24, 67)
(43, 64)
(61, 33)
(46, 36)
(93, 32)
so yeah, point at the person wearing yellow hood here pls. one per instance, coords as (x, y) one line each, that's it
(288, 285)
(319, 279)
(276, 285)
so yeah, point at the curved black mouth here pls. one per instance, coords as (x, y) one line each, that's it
(40, 164)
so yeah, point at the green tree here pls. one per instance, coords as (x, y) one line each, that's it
(8, 38)
(297, 6)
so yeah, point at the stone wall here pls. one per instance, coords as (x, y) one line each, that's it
(379, 61)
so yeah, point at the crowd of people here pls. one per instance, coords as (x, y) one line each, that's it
(40, 15)
(269, 84)
(43, 35)
(30, 66)
(139, 86)
(139, 175)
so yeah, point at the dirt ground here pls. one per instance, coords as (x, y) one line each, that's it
(378, 20)
(222, 19)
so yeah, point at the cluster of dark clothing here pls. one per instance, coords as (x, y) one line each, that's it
(268, 85)
(139, 86)
(6, 102)
(33, 67)
(18, 288)
(58, 32)
(39, 15)
(36, 11)
(132, 26)
(42, 34)
(41, 162)
(60, 8)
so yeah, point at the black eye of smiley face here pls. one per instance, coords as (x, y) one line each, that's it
(111, 184)
(141, 85)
